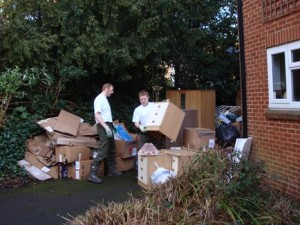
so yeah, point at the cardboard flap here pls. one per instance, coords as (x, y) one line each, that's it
(87, 130)
(47, 124)
(67, 123)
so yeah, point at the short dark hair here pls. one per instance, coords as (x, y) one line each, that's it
(143, 93)
(107, 85)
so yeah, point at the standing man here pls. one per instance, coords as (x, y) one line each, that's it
(105, 129)
(140, 116)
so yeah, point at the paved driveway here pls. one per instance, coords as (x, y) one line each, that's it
(47, 202)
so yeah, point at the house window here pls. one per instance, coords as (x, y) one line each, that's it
(284, 76)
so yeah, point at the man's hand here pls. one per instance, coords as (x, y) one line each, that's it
(108, 131)
(143, 129)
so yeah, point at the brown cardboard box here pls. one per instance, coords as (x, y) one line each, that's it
(52, 171)
(147, 166)
(166, 118)
(80, 170)
(71, 153)
(190, 120)
(125, 164)
(180, 159)
(126, 149)
(195, 138)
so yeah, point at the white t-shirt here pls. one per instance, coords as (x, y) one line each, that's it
(141, 113)
(101, 105)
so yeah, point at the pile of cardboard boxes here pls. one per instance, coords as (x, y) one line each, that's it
(66, 149)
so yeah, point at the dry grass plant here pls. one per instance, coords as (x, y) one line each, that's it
(212, 190)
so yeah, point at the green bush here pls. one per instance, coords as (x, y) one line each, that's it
(13, 145)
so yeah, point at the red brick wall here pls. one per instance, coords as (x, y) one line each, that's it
(277, 142)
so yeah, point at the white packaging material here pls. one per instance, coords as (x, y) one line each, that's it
(161, 175)
(242, 148)
(223, 118)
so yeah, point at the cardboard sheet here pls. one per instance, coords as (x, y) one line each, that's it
(67, 123)
(34, 171)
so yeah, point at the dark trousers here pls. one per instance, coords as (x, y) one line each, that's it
(107, 147)
(150, 138)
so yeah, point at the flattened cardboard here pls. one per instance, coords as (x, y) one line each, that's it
(52, 171)
(39, 145)
(80, 141)
(34, 171)
(67, 123)
(87, 130)
(48, 124)
(166, 118)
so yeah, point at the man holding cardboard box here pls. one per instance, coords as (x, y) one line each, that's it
(140, 116)
(105, 129)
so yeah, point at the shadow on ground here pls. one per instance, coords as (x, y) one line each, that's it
(49, 202)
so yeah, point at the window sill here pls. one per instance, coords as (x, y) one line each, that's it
(283, 114)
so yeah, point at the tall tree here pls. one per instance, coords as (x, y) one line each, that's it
(124, 40)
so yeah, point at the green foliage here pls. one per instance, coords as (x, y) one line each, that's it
(12, 84)
(13, 145)
(123, 40)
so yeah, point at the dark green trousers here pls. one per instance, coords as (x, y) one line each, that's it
(107, 147)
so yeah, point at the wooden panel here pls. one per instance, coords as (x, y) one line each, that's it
(174, 96)
(202, 100)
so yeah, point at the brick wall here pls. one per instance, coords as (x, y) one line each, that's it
(275, 140)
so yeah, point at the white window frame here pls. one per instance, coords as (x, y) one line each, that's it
(287, 103)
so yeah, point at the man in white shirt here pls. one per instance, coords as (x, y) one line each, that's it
(107, 149)
(140, 116)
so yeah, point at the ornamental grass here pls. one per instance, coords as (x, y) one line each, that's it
(212, 190)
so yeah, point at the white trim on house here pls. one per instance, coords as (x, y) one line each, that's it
(282, 94)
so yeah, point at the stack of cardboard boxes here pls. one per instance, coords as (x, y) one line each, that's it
(66, 148)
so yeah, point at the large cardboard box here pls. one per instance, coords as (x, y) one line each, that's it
(147, 166)
(190, 120)
(195, 138)
(180, 159)
(80, 170)
(71, 153)
(125, 164)
(166, 118)
(51, 171)
(126, 149)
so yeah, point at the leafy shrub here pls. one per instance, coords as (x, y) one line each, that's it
(13, 145)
